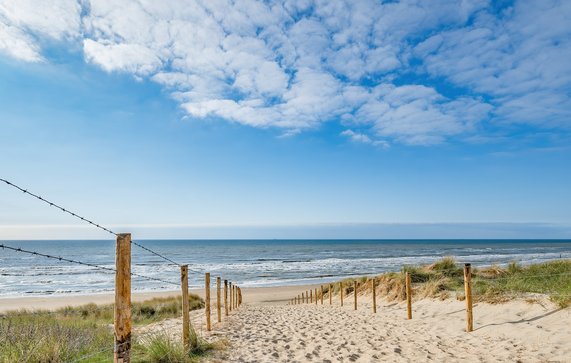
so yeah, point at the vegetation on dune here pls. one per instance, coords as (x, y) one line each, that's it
(71, 333)
(494, 284)
(161, 348)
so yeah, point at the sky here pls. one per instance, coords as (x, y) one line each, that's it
(286, 119)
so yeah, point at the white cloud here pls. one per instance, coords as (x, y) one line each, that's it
(23, 21)
(521, 59)
(19, 45)
(293, 65)
(364, 139)
(133, 58)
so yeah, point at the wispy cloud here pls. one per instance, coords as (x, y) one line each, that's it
(294, 65)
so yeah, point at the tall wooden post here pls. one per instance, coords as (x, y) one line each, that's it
(122, 311)
(330, 294)
(185, 307)
(341, 292)
(408, 296)
(207, 300)
(230, 292)
(307, 297)
(302, 298)
(240, 297)
(355, 283)
(218, 303)
(226, 296)
(374, 288)
(321, 294)
(468, 293)
(311, 296)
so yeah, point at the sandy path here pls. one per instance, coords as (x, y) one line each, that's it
(512, 332)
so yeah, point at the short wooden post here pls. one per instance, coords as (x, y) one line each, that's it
(122, 311)
(302, 298)
(341, 292)
(218, 303)
(330, 294)
(316, 296)
(355, 283)
(374, 288)
(226, 297)
(321, 294)
(468, 293)
(185, 307)
(408, 296)
(311, 296)
(230, 292)
(207, 300)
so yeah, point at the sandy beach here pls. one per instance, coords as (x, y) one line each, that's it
(512, 332)
(253, 295)
(266, 329)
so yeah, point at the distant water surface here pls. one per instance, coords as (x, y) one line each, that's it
(248, 262)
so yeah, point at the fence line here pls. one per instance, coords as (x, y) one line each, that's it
(123, 306)
(468, 294)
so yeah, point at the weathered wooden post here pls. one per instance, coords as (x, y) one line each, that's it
(408, 296)
(307, 297)
(355, 283)
(226, 297)
(122, 311)
(330, 294)
(468, 293)
(302, 298)
(321, 294)
(311, 296)
(207, 300)
(374, 288)
(218, 303)
(341, 292)
(185, 307)
(230, 292)
(316, 296)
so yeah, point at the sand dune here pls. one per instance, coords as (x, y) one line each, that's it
(511, 332)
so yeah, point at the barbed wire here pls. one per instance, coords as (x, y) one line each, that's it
(25, 191)
(59, 258)
(83, 218)
(155, 253)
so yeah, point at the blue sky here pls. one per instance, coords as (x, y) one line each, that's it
(297, 119)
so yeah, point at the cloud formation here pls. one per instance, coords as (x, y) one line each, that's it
(293, 65)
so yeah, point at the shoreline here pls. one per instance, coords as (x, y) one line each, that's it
(251, 295)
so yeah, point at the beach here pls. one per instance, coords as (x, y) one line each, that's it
(268, 329)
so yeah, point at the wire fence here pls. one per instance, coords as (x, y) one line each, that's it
(118, 271)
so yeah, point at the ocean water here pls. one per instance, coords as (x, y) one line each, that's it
(248, 263)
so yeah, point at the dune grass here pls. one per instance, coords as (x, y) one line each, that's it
(69, 333)
(495, 284)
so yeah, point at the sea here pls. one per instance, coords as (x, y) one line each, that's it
(249, 263)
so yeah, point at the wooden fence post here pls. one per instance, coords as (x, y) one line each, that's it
(355, 284)
(230, 293)
(122, 311)
(311, 296)
(330, 294)
(468, 293)
(218, 303)
(341, 292)
(374, 288)
(321, 294)
(307, 297)
(226, 297)
(207, 300)
(408, 296)
(185, 307)
(302, 298)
